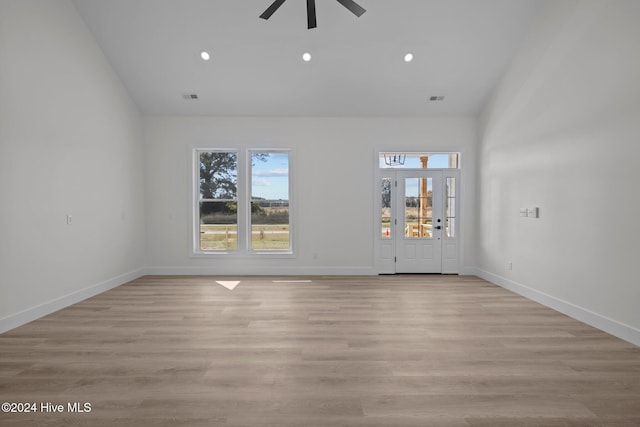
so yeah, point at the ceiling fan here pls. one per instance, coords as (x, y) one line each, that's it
(354, 7)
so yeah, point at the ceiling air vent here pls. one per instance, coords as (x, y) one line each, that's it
(190, 96)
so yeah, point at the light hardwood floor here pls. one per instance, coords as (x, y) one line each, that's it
(339, 351)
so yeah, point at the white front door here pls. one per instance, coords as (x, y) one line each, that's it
(420, 222)
(417, 222)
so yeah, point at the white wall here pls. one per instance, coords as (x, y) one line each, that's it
(333, 173)
(563, 133)
(70, 143)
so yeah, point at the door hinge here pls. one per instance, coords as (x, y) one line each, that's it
(395, 221)
(395, 183)
(395, 259)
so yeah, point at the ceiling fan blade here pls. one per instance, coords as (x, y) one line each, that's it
(272, 9)
(354, 7)
(311, 14)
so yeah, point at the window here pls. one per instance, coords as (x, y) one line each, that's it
(385, 212)
(402, 160)
(270, 201)
(450, 226)
(218, 201)
(234, 214)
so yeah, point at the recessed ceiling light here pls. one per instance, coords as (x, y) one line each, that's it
(205, 55)
(306, 57)
(408, 57)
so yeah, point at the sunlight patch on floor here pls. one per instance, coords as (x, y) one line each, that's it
(228, 284)
(291, 281)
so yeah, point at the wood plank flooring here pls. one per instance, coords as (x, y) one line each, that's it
(401, 350)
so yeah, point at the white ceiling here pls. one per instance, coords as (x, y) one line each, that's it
(461, 49)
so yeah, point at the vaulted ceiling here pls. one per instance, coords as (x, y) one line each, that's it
(461, 48)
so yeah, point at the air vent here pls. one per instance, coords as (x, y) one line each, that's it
(190, 96)
(436, 98)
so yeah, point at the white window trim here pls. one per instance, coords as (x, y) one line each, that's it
(243, 156)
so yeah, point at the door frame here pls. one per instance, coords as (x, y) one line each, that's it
(385, 248)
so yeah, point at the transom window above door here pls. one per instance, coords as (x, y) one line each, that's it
(419, 160)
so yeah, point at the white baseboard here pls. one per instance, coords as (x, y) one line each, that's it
(606, 324)
(23, 317)
(468, 271)
(262, 271)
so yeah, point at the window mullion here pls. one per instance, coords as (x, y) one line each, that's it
(243, 219)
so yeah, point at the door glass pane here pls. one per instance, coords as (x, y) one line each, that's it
(418, 211)
(385, 213)
(450, 226)
(270, 220)
(451, 207)
(218, 207)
